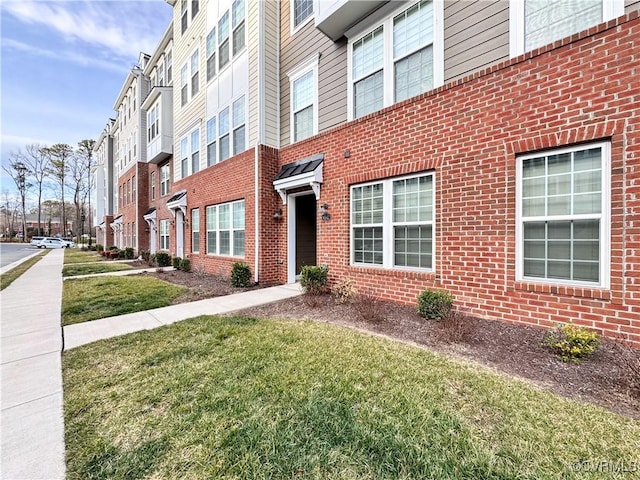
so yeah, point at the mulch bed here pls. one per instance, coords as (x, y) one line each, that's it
(603, 379)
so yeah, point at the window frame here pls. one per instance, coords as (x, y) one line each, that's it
(610, 9)
(212, 141)
(214, 211)
(387, 224)
(310, 65)
(195, 230)
(211, 50)
(604, 217)
(293, 28)
(165, 182)
(238, 124)
(238, 24)
(152, 184)
(366, 27)
(165, 235)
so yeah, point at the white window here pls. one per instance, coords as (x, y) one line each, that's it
(301, 13)
(160, 75)
(164, 234)
(211, 54)
(237, 24)
(212, 157)
(396, 60)
(195, 73)
(184, 85)
(184, 16)
(563, 216)
(184, 157)
(153, 122)
(536, 23)
(392, 223)
(223, 40)
(238, 126)
(164, 180)
(303, 83)
(169, 66)
(195, 230)
(195, 7)
(223, 134)
(225, 229)
(152, 181)
(195, 151)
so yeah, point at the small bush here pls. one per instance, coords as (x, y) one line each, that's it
(128, 253)
(627, 359)
(175, 262)
(455, 327)
(434, 304)
(344, 291)
(571, 342)
(152, 260)
(240, 275)
(145, 255)
(99, 247)
(163, 259)
(185, 265)
(369, 308)
(313, 279)
(121, 254)
(112, 247)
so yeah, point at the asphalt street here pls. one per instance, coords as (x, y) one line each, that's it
(12, 252)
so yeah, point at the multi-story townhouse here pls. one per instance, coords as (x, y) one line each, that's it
(158, 108)
(102, 175)
(489, 148)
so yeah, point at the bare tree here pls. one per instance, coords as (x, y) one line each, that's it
(38, 165)
(59, 156)
(18, 172)
(10, 208)
(85, 150)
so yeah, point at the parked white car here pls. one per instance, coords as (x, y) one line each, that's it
(36, 240)
(52, 242)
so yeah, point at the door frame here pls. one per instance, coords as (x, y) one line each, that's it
(291, 233)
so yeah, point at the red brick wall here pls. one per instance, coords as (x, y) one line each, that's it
(469, 132)
(132, 207)
(227, 181)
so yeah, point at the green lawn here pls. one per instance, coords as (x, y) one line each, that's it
(75, 255)
(234, 398)
(9, 277)
(89, 268)
(98, 297)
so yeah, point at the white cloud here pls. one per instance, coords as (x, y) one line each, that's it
(125, 28)
(69, 56)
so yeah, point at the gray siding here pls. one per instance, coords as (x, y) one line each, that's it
(476, 34)
(332, 72)
(271, 65)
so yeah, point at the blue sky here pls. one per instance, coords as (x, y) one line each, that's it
(63, 63)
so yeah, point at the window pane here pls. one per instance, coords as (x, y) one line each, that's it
(237, 13)
(211, 129)
(224, 53)
(223, 217)
(303, 91)
(223, 27)
(238, 215)
(546, 22)
(303, 124)
(413, 246)
(211, 42)
(225, 243)
(211, 66)
(368, 54)
(223, 125)
(238, 112)
(413, 29)
(212, 158)
(224, 147)
(211, 242)
(239, 140)
(367, 245)
(238, 243)
(368, 94)
(238, 39)
(301, 10)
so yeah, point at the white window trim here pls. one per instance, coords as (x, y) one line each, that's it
(190, 151)
(610, 9)
(166, 180)
(387, 225)
(216, 208)
(234, 127)
(195, 228)
(293, 29)
(164, 222)
(438, 52)
(605, 219)
(311, 64)
(187, 64)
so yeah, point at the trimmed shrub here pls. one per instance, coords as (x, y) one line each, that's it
(112, 247)
(313, 279)
(175, 262)
(99, 247)
(163, 259)
(145, 255)
(128, 253)
(344, 291)
(571, 342)
(185, 265)
(240, 275)
(434, 304)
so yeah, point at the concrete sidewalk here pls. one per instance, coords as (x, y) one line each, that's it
(87, 332)
(31, 373)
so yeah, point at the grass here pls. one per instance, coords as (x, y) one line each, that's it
(90, 268)
(75, 255)
(92, 298)
(9, 277)
(238, 398)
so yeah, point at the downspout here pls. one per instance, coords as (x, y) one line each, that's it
(260, 139)
(256, 214)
